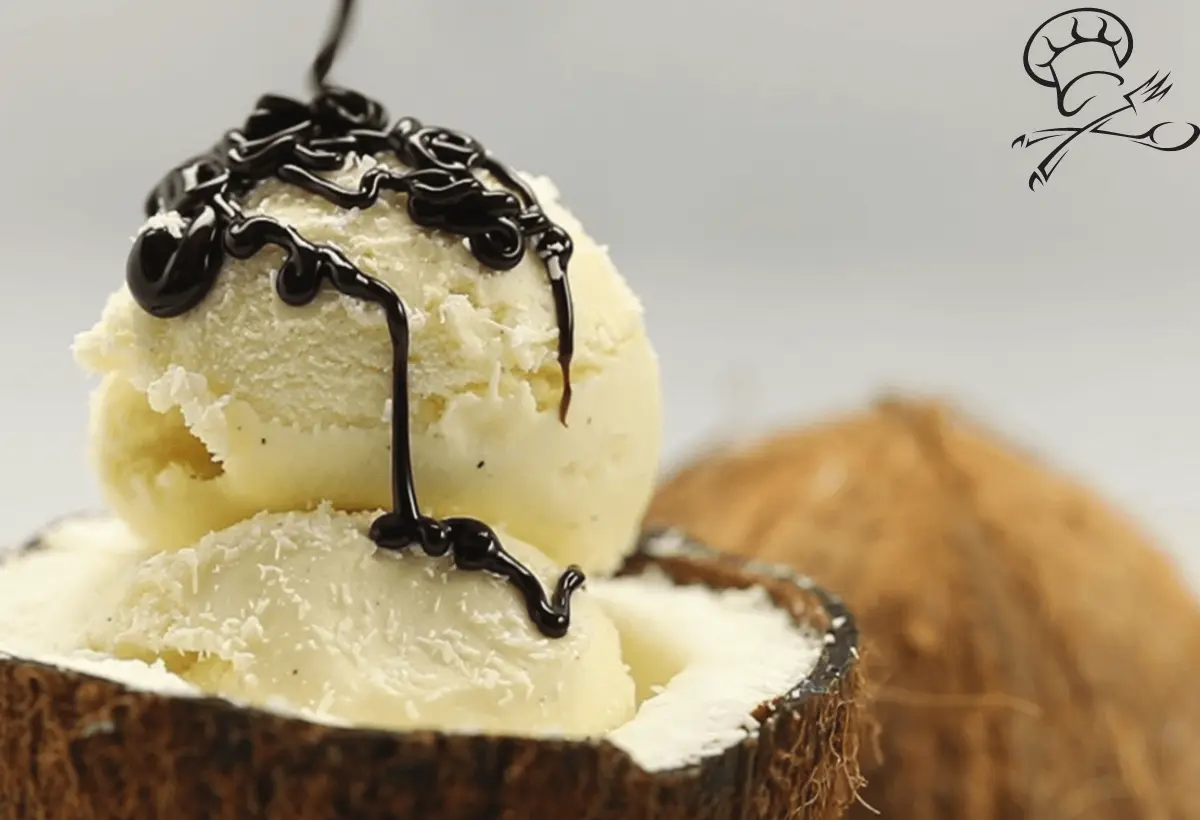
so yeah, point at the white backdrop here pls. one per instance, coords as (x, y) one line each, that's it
(816, 200)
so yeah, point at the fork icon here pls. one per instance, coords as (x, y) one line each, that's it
(1165, 136)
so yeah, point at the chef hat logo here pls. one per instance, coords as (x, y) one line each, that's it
(1080, 54)
(1075, 46)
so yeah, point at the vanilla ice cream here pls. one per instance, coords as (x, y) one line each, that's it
(302, 610)
(246, 404)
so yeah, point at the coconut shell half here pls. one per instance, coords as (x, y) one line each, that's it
(79, 747)
(1033, 654)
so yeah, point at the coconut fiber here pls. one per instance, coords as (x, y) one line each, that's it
(1032, 653)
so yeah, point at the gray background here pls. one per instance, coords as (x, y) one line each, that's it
(815, 199)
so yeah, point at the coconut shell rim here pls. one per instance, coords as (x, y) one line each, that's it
(656, 547)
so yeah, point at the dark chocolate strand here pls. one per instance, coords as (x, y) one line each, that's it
(176, 261)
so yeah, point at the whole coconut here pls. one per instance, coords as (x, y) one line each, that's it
(1033, 653)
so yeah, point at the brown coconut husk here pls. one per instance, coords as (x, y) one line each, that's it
(1032, 653)
(78, 747)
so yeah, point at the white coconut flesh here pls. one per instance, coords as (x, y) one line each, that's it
(702, 660)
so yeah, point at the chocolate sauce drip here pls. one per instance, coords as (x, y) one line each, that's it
(171, 270)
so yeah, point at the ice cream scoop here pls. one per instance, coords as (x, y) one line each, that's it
(247, 403)
(301, 610)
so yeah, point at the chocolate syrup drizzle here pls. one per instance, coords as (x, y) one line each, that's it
(171, 271)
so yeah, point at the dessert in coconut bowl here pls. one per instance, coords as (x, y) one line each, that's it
(377, 426)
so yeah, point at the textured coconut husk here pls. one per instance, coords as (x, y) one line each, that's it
(1032, 653)
(77, 747)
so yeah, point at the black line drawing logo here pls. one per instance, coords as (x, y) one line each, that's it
(1080, 54)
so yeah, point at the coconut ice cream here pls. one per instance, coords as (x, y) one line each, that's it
(302, 611)
(245, 403)
(378, 422)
